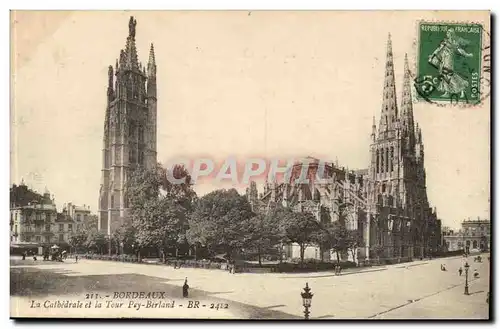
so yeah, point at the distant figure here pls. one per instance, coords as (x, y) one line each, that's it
(460, 271)
(34, 257)
(76, 258)
(443, 268)
(185, 289)
(476, 274)
(24, 255)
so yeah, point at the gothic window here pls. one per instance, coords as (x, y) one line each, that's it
(141, 135)
(377, 168)
(112, 201)
(131, 130)
(387, 159)
(392, 158)
(133, 155)
(141, 158)
(382, 165)
(383, 188)
(474, 244)
(386, 121)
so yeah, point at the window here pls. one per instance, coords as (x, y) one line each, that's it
(382, 166)
(387, 160)
(141, 158)
(112, 201)
(61, 227)
(47, 238)
(15, 228)
(38, 238)
(47, 228)
(70, 227)
(28, 239)
(392, 158)
(78, 217)
(141, 135)
(61, 237)
(448, 244)
(377, 168)
(474, 244)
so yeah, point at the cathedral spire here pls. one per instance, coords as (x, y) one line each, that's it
(407, 120)
(151, 62)
(389, 113)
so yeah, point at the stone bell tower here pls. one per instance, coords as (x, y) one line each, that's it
(129, 139)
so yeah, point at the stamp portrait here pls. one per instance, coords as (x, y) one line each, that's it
(449, 62)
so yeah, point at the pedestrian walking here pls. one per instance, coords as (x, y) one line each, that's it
(76, 258)
(476, 274)
(24, 255)
(460, 271)
(185, 289)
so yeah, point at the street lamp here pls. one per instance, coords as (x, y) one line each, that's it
(306, 300)
(466, 266)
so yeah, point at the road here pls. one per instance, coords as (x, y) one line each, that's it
(416, 290)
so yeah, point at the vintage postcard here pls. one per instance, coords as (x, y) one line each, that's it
(298, 165)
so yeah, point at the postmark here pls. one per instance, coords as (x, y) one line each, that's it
(452, 64)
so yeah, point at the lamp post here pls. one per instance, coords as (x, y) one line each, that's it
(306, 300)
(466, 266)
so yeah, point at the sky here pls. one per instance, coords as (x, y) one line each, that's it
(235, 83)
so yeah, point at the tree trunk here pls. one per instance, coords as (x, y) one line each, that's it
(338, 256)
(302, 251)
(176, 252)
(195, 252)
(260, 258)
(164, 260)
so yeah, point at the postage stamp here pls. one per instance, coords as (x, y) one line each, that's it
(449, 59)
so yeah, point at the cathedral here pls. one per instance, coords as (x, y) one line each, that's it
(129, 129)
(387, 202)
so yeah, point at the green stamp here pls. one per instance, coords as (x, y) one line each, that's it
(449, 62)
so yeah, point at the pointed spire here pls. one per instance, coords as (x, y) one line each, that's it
(374, 129)
(110, 82)
(407, 120)
(152, 62)
(389, 104)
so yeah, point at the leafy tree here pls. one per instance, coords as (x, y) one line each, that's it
(97, 241)
(125, 235)
(159, 208)
(219, 221)
(263, 233)
(334, 236)
(78, 240)
(299, 227)
(354, 241)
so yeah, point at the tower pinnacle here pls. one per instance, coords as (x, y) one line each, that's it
(389, 111)
(407, 121)
(151, 62)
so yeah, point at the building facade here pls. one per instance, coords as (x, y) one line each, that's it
(38, 225)
(386, 202)
(129, 129)
(474, 236)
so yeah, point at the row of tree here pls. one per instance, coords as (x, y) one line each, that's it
(167, 216)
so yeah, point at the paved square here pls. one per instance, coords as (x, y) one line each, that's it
(412, 290)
